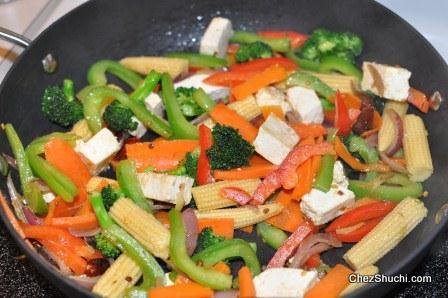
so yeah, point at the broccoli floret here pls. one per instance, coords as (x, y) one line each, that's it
(229, 149)
(323, 42)
(191, 163)
(119, 118)
(207, 238)
(110, 196)
(59, 109)
(187, 104)
(107, 248)
(252, 51)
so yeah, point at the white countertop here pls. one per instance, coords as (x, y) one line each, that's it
(30, 17)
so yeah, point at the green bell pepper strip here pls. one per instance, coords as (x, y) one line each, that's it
(96, 75)
(334, 63)
(277, 44)
(307, 80)
(324, 176)
(199, 60)
(129, 184)
(229, 249)
(68, 89)
(97, 97)
(405, 189)
(146, 87)
(182, 129)
(30, 189)
(203, 100)
(126, 243)
(182, 261)
(271, 235)
(57, 181)
(303, 63)
(82, 94)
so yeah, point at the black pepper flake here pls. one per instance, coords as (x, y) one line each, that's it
(128, 278)
(265, 210)
(340, 192)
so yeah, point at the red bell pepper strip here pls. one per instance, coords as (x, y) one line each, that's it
(359, 233)
(204, 175)
(341, 120)
(285, 251)
(286, 174)
(313, 261)
(235, 194)
(360, 214)
(258, 65)
(62, 236)
(296, 39)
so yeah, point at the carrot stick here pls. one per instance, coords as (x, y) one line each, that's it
(187, 290)
(248, 229)
(419, 100)
(164, 155)
(162, 216)
(81, 222)
(269, 76)
(221, 267)
(60, 154)
(276, 110)
(309, 130)
(226, 116)
(332, 284)
(247, 288)
(289, 218)
(220, 226)
(67, 255)
(250, 172)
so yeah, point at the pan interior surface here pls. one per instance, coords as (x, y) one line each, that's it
(112, 29)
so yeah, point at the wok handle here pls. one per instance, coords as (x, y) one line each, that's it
(14, 38)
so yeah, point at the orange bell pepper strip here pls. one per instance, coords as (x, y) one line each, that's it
(285, 251)
(259, 65)
(296, 39)
(359, 233)
(60, 154)
(289, 218)
(247, 288)
(332, 284)
(220, 226)
(309, 130)
(360, 214)
(286, 174)
(164, 155)
(81, 222)
(355, 164)
(418, 99)
(271, 75)
(226, 116)
(72, 260)
(186, 290)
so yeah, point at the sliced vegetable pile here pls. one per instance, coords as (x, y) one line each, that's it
(258, 132)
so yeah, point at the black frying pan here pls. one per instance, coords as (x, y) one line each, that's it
(113, 29)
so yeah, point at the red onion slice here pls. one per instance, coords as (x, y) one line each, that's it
(16, 199)
(191, 229)
(398, 128)
(85, 281)
(372, 140)
(10, 160)
(226, 294)
(84, 233)
(396, 167)
(435, 101)
(313, 244)
(31, 218)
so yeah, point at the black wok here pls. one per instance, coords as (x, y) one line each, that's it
(113, 29)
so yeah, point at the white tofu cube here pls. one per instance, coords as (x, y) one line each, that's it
(322, 207)
(306, 103)
(196, 81)
(271, 96)
(48, 197)
(216, 37)
(166, 188)
(140, 130)
(154, 104)
(275, 139)
(387, 81)
(284, 282)
(98, 150)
